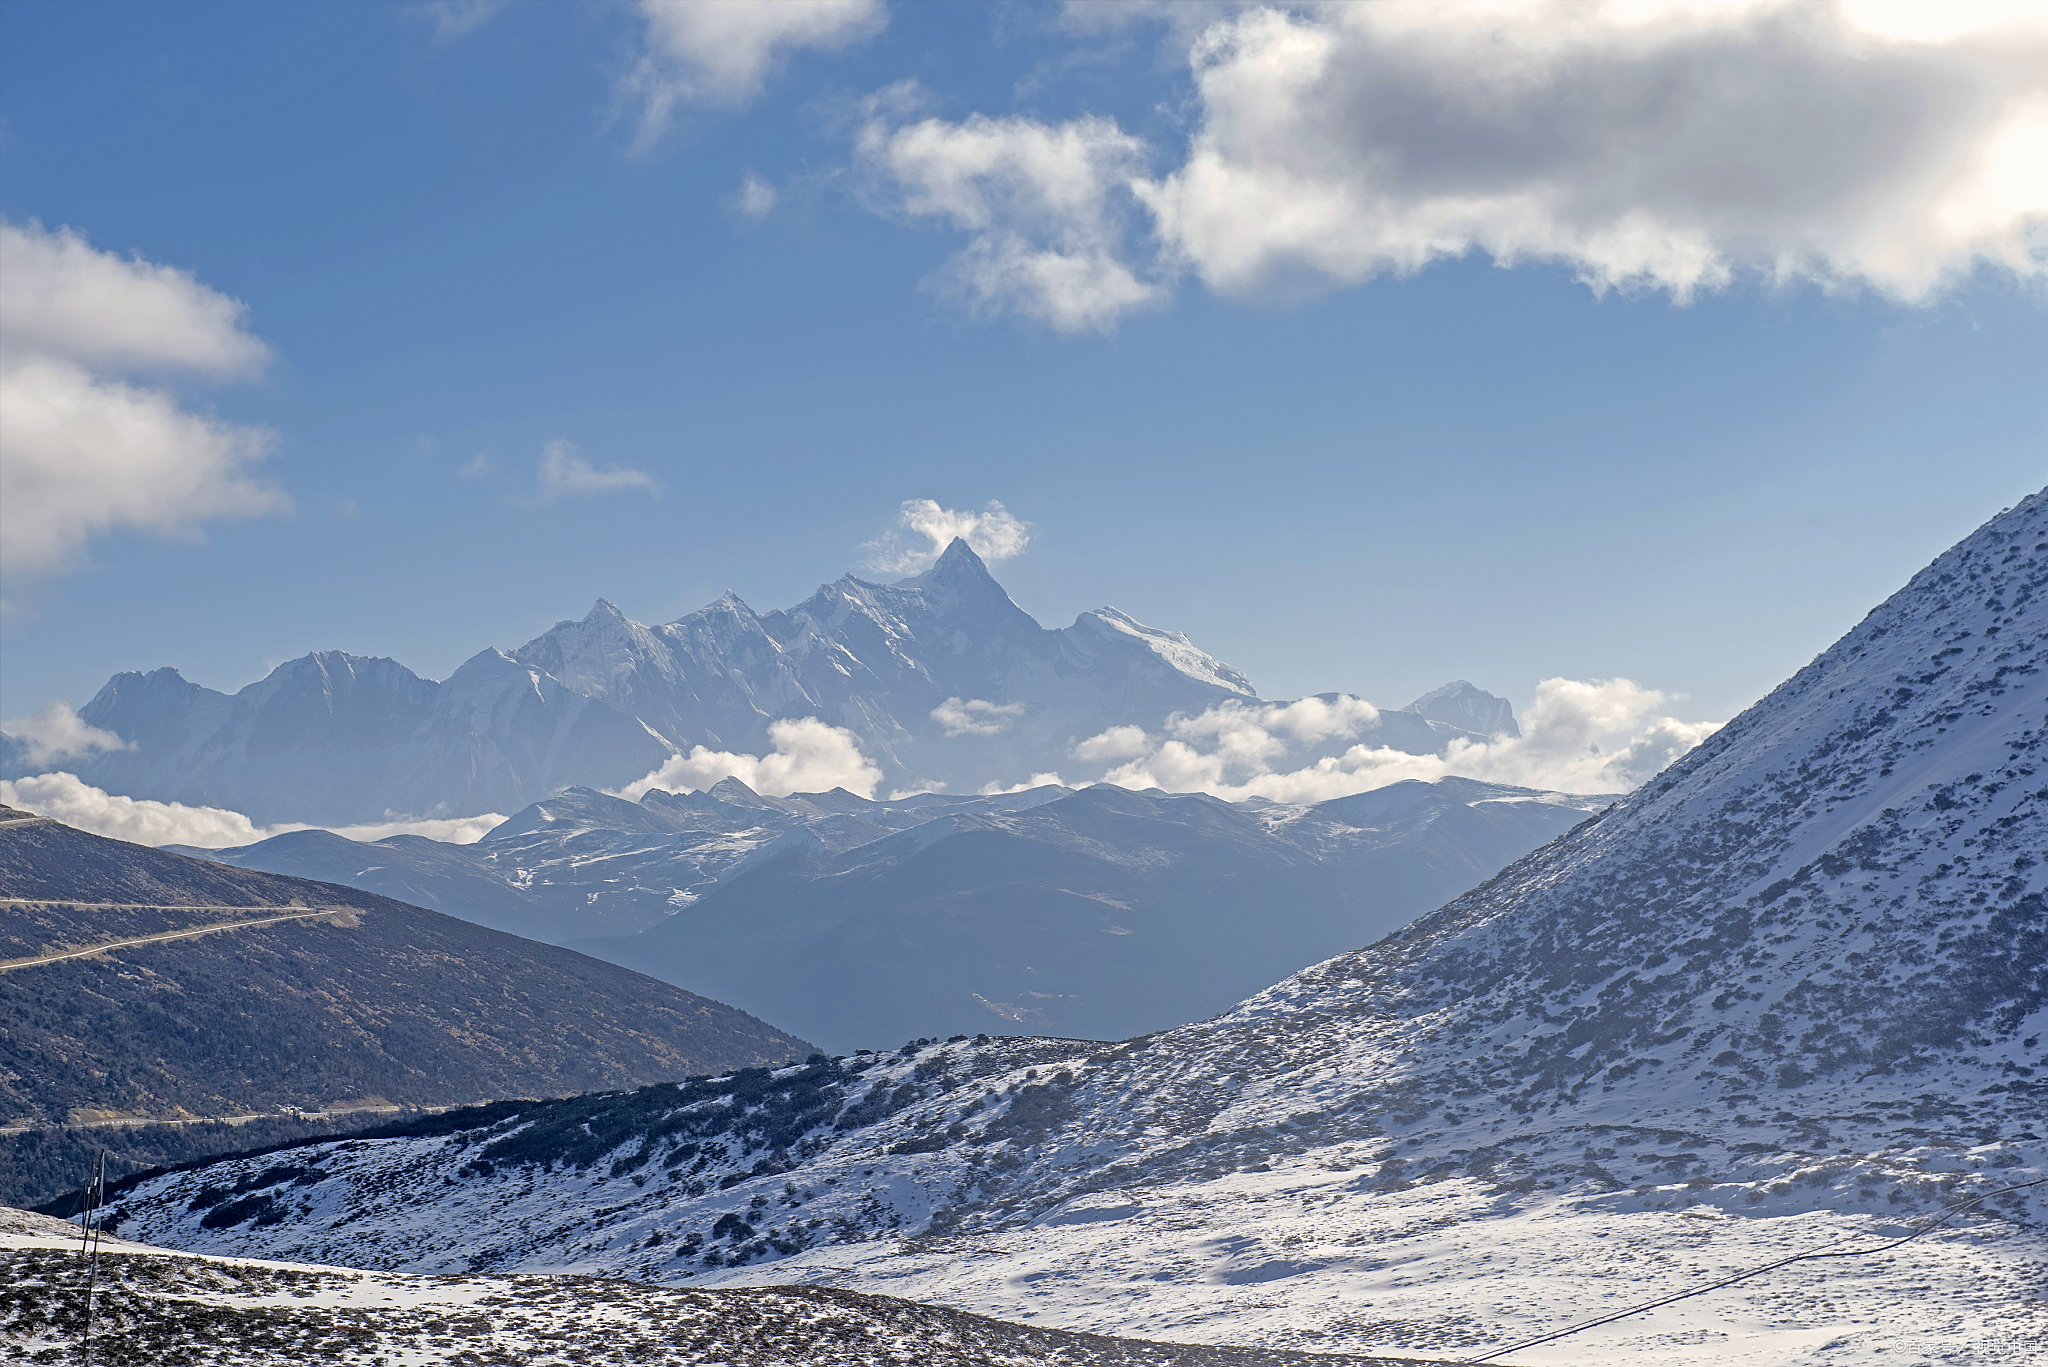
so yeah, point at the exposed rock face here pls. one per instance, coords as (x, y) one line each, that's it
(1460, 704)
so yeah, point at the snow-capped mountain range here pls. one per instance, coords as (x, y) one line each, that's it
(941, 680)
(1794, 991)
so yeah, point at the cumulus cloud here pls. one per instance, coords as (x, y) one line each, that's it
(67, 798)
(809, 757)
(720, 52)
(1046, 208)
(1579, 736)
(974, 717)
(58, 733)
(88, 447)
(564, 473)
(1653, 144)
(923, 529)
(1118, 742)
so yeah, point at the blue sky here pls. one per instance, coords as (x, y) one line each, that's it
(1333, 471)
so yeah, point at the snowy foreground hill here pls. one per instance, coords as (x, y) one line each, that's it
(1787, 997)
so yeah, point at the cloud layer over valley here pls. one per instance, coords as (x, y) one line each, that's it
(67, 798)
(809, 757)
(1579, 736)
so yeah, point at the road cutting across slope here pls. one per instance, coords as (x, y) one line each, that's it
(161, 936)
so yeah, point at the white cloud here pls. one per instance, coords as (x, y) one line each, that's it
(719, 52)
(993, 533)
(756, 197)
(564, 473)
(1045, 207)
(1579, 736)
(974, 717)
(87, 451)
(1042, 780)
(452, 830)
(1118, 742)
(809, 757)
(61, 298)
(58, 733)
(453, 19)
(1657, 144)
(67, 798)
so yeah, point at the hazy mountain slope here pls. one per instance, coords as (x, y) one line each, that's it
(336, 738)
(1460, 704)
(1099, 915)
(409, 868)
(383, 999)
(583, 863)
(1790, 992)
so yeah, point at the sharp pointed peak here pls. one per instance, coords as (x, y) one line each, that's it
(958, 552)
(604, 609)
(957, 564)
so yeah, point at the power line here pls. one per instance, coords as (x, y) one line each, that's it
(1943, 1217)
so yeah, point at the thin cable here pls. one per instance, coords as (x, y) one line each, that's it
(1945, 1215)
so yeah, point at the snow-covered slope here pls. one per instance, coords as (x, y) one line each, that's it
(152, 1305)
(1784, 998)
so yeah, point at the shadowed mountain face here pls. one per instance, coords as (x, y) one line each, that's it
(339, 739)
(1802, 973)
(1099, 915)
(944, 682)
(378, 1000)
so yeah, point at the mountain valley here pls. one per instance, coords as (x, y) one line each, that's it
(1787, 997)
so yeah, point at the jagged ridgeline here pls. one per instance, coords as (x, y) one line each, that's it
(944, 682)
(1805, 971)
(302, 996)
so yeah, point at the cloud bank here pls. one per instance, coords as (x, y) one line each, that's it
(809, 757)
(67, 798)
(924, 529)
(1669, 146)
(720, 52)
(974, 717)
(1579, 736)
(88, 447)
(58, 733)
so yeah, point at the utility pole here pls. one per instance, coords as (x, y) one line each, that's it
(90, 1200)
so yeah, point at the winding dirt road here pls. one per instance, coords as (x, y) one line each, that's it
(60, 956)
